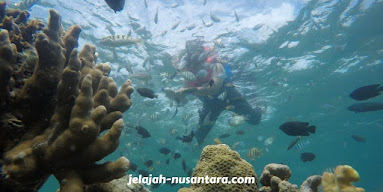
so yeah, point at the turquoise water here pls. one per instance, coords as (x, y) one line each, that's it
(301, 64)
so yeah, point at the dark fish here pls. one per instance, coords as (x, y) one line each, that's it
(143, 132)
(175, 113)
(366, 92)
(143, 173)
(224, 135)
(359, 139)
(296, 128)
(172, 77)
(156, 17)
(148, 163)
(293, 142)
(365, 107)
(189, 173)
(116, 5)
(186, 138)
(155, 185)
(236, 16)
(176, 155)
(145, 92)
(146, 3)
(164, 150)
(307, 157)
(167, 161)
(211, 82)
(240, 132)
(133, 166)
(184, 165)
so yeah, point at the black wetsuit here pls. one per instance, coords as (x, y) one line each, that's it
(214, 105)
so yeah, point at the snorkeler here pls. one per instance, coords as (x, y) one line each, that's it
(209, 79)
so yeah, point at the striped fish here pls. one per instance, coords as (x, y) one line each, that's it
(119, 40)
(154, 116)
(26, 4)
(302, 145)
(188, 75)
(254, 153)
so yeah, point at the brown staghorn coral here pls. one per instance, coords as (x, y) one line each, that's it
(51, 120)
(341, 180)
(274, 178)
(221, 161)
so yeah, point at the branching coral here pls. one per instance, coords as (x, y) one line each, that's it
(341, 180)
(52, 119)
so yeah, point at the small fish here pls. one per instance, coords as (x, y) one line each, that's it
(164, 150)
(302, 145)
(184, 165)
(143, 76)
(254, 153)
(186, 117)
(165, 75)
(176, 155)
(258, 26)
(217, 141)
(268, 141)
(189, 173)
(186, 138)
(222, 96)
(190, 27)
(359, 139)
(146, 4)
(174, 5)
(214, 18)
(229, 85)
(218, 43)
(148, 163)
(204, 2)
(149, 103)
(154, 116)
(156, 17)
(240, 132)
(366, 92)
(236, 16)
(307, 156)
(143, 132)
(204, 56)
(295, 128)
(365, 107)
(230, 107)
(188, 75)
(133, 166)
(237, 120)
(143, 173)
(145, 92)
(224, 135)
(119, 40)
(207, 24)
(293, 142)
(175, 25)
(211, 82)
(330, 170)
(167, 161)
(163, 33)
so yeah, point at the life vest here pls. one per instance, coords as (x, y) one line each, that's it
(201, 81)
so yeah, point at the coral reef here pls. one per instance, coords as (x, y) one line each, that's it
(341, 180)
(274, 178)
(221, 161)
(311, 184)
(54, 105)
(117, 185)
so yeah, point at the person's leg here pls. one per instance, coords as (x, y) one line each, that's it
(241, 107)
(209, 114)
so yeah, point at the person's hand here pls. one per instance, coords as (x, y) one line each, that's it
(181, 92)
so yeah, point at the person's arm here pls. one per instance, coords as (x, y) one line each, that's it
(206, 91)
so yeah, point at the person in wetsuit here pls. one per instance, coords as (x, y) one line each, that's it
(214, 87)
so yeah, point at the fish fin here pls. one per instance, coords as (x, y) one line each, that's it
(311, 129)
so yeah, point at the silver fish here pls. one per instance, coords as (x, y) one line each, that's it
(258, 26)
(156, 17)
(146, 3)
(175, 25)
(236, 16)
(204, 2)
(119, 40)
(26, 4)
(190, 27)
(208, 24)
(144, 76)
(174, 5)
(214, 18)
(163, 33)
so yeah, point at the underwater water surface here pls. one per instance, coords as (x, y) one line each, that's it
(298, 60)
